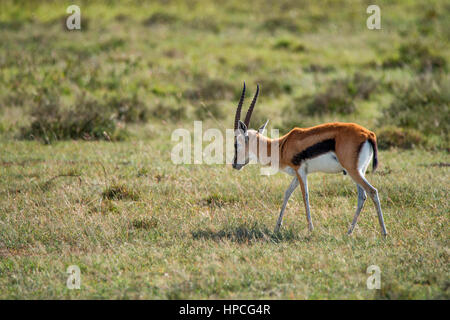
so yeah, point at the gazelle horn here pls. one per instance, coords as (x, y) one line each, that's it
(238, 110)
(250, 109)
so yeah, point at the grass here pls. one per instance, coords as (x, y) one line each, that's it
(111, 201)
(206, 232)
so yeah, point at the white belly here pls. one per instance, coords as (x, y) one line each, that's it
(326, 162)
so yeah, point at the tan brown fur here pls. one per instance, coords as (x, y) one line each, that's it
(301, 145)
(348, 137)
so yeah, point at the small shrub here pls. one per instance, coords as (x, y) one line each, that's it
(168, 112)
(388, 137)
(334, 100)
(423, 105)
(361, 86)
(129, 109)
(427, 23)
(417, 56)
(340, 94)
(120, 192)
(87, 119)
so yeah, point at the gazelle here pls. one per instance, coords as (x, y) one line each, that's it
(330, 147)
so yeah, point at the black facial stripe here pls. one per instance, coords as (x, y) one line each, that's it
(314, 151)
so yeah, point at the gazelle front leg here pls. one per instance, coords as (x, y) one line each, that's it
(287, 194)
(302, 177)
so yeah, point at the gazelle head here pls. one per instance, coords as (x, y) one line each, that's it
(242, 134)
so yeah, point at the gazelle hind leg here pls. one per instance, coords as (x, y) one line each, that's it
(302, 177)
(287, 195)
(373, 194)
(363, 163)
(361, 199)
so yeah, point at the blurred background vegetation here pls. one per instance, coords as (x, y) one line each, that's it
(139, 226)
(137, 67)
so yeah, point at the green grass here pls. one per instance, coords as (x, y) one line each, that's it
(139, 226)
(206, 231)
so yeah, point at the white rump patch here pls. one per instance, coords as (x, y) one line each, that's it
(365, 155)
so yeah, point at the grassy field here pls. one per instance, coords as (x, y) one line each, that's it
(86, 119)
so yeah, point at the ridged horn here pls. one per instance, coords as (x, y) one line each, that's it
(250, 109)
(239, 108)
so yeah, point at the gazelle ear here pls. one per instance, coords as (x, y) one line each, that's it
(242, 126)
(263, 127)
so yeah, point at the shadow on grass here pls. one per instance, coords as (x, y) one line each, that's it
(249, 233)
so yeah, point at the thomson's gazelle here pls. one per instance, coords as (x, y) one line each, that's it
(330, 147)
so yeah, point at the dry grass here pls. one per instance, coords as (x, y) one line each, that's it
(139, 226)
(206, 231)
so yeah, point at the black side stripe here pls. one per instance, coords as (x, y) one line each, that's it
(314, 151)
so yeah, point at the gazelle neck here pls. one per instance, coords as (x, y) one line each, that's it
(265, 148)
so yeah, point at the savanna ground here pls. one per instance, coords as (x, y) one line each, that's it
(86, 119)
